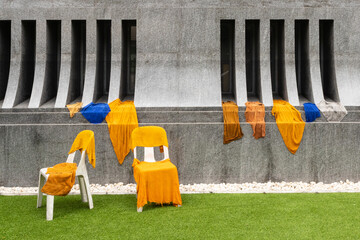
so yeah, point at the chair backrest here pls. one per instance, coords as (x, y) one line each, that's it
(149, 137)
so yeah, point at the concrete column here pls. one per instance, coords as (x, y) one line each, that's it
(240, 62)
(265, 69)
(40, 63)
(116, 49)
(290, 76)
(315, 60)
(90, 68)
(14, 72)
(65, 65)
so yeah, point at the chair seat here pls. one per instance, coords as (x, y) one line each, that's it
(157, 182)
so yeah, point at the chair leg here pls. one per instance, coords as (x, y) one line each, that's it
(140, 209)
(87, 187)
(49, 207)
(82, 189)
(40, 194)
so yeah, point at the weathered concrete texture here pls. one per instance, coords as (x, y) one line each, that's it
(328, 151)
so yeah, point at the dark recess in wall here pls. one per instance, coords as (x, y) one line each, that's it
(5, 51)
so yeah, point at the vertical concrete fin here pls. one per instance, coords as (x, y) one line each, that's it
(40, 58)
(116, 48)
(90, 67)
(65, 65)
(314, 50)
(266, 90)
(240, 71)
(15, 62)
(290, 76)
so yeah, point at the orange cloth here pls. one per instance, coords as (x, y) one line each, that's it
(157, 182)
(255, 115)
(232, 129)
(150, 136)
(60, 180)
(74, 108)
(121, 120)
(85, 140)
(290, 124)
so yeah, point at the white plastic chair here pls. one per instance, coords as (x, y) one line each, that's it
(83, 179)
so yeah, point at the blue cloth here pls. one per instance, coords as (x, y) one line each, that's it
(311, 112)
(95, 112)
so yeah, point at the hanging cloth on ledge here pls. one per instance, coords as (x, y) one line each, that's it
(311, 112)
(290, 124)
(61, 179)
(333, 111)
(74, 108)
(255, 115)
(122, 120)
(232, 129)
(95, 112)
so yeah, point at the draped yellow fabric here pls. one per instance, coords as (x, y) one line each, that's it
(232, 129)
(60, 180)
(74, 108)
(157, 182)
(121, 120)
(290, 124)
(255, 115)
(85, 140)
(150, 136)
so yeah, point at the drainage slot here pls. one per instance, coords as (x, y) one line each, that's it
(27, 68)
(327, 63)
(227, 39)
(252, 47)
(53, 57)
(78, 60)
(128, 60)
(302, 60)
(5, 38)
(103, 60)
(277, 59)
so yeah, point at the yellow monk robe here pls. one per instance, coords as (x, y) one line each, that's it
(85, 140)
(157, 182)
(60, 180)
(255, 115)
(121, 120)
(74, 108)
(232, 129)
(62, 176)
(290, 124)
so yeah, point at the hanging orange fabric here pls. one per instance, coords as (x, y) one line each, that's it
(157, 182)
(60, 180)
(121, 120)
(290, 124)
(74, 108)
(232, 129)
(85, 140)
(255, 115)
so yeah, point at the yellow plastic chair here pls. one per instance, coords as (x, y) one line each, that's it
(157, 181)
(81, 174)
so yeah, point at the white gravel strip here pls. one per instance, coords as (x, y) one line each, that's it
(269, 187)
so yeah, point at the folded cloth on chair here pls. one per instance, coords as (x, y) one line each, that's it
(122, 120)
(95, 112)
(61, 179)
(232, 129)
(255, 115)
(85, 140)
(333, 111)
(74, 108)
(157, 182)
(311, 112)
(290, 124)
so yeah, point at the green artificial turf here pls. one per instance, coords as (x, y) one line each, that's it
(202, 216)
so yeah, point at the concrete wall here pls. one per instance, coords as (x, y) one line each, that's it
(178, 86)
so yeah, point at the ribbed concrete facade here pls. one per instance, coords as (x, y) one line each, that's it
(57, 52)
